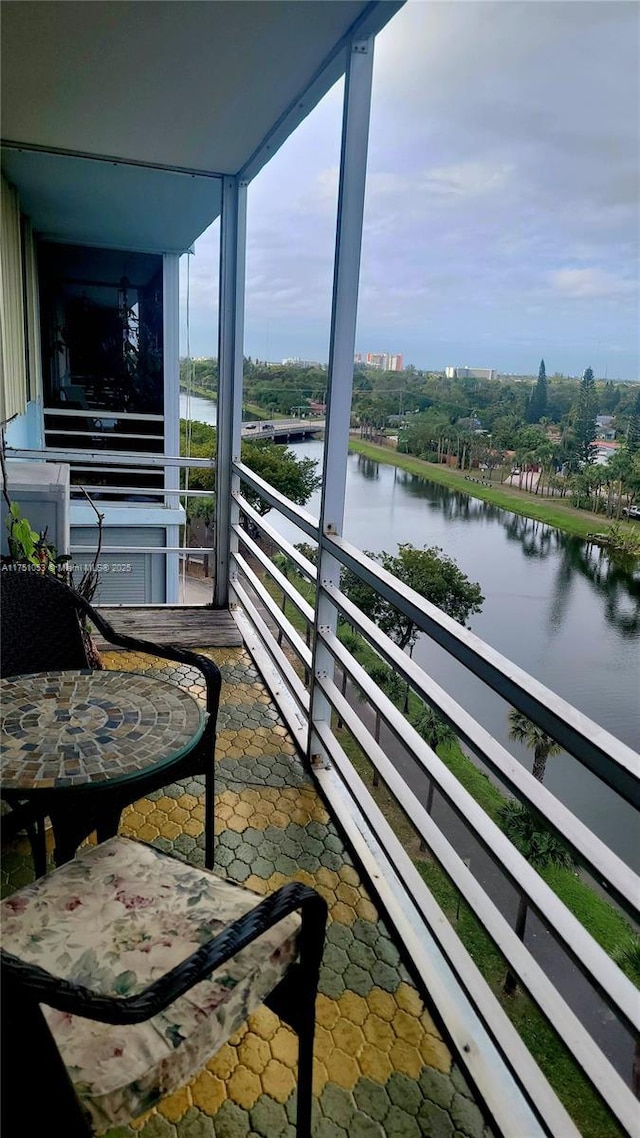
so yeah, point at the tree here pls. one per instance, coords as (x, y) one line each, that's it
(295, 478)
(579, 484)
(429, 572)
(504, 431)
(541, 847)
(544, 457)
(432, 727)
(632, 434)
(624, 469)
(538, 402)
(426, 434)
(522, 730)
(584, 427)
(466, 439)
(494, 459)
(373, 412)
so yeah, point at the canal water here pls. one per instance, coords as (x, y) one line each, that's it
(553, 605)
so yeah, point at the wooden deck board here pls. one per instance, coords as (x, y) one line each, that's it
(182, 625)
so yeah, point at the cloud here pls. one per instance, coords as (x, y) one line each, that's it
(467, 179)
(323, 195)
(501, 201)
(592, 282)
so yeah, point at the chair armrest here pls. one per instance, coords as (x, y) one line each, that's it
(209, 670)
(75, 999)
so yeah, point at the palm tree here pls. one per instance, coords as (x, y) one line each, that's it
(541, 847)
(530, 735)
(544, 458)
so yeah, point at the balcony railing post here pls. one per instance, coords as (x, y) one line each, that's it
(171, 338)
(230, 361)
(353, 164)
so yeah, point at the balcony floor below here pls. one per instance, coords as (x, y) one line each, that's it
(183, 626)
(381, 1066)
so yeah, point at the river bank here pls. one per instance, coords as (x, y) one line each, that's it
(251, 409)
(578, 523)
(559, 514)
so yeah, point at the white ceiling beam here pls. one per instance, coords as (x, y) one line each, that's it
(372, 20)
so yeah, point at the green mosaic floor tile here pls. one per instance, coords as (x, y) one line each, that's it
(381, 1070)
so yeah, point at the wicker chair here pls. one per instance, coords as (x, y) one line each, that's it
(111, 1038)
(41, 632)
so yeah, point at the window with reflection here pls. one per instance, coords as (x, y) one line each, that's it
(101, 313)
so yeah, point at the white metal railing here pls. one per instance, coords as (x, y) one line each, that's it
(506, 1077)
(101, 413)
(93, 426)
(126, 464)
(110, 460)
(502, 1070)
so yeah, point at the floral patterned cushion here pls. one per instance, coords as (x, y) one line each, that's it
(117, 917)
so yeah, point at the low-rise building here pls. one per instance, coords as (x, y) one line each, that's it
(469, 373)
(605, 426)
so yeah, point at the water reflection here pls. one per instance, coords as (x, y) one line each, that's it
(616, 582)
(560, 595)
(537, 539)
(368, 468)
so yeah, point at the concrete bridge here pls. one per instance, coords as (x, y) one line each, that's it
(283, 430)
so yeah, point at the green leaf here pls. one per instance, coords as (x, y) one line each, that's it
(24, 535)
(124, 983)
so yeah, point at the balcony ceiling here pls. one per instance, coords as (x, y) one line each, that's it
(197, 85)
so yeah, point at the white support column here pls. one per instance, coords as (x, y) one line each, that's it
(353, 165)
(171, 364)
(230, 367)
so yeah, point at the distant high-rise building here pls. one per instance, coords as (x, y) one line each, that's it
(470, 373)
(385, 361)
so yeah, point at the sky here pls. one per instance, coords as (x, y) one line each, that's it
(502, 221)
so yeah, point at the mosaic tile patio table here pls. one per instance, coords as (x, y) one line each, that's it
(69, 741)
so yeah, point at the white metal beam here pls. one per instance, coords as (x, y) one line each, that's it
(171, 406)
(230, 360)
(344, 311)
(375, 16)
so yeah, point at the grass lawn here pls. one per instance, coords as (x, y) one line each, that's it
(201, 392)
(584, 1105)
(248, 408)
(556, 513)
